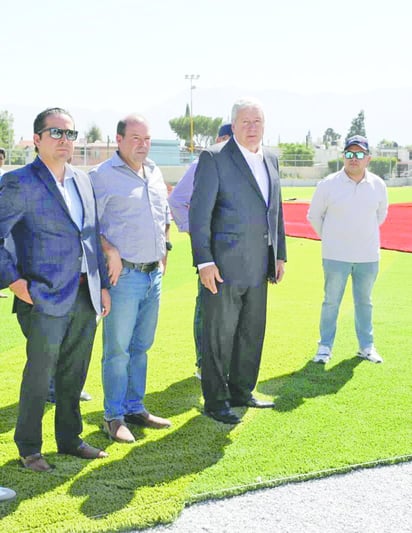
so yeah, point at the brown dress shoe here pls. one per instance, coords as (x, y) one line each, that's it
(85, 451)
(117, 430)
(36, 462)
(147, 420)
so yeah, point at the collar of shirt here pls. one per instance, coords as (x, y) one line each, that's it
(248, 155)
(117, 161)
(68, 173)
(258, 169)
(365, 177)
(70, 195)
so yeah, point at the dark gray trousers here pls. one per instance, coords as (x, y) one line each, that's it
(60, 346)
(234, 323)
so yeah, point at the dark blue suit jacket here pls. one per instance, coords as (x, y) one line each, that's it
(230, 223)
(49, 245)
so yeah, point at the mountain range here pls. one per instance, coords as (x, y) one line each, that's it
(290, 116)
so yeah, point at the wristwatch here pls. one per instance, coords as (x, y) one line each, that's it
(169, 246)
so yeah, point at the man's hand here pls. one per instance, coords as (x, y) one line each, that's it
(114, 265)
(19, 288)
(280, 270)
(208, 276)
(163, 265)
(113, 260)
(106, 302)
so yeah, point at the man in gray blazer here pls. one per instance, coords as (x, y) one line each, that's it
(238, 244)
(59, 279)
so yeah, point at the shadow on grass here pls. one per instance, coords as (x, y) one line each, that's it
(189, 449)
(8, 417)
(192, 448)
(311, 381)
(28, 484)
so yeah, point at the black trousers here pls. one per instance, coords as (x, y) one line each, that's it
(233, 330)
(60, 346)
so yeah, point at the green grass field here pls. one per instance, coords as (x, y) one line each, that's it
(350, 413)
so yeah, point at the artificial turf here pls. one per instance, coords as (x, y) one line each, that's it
(326, 418)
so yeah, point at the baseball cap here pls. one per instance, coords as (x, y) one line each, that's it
(360, 141)
(225, 129)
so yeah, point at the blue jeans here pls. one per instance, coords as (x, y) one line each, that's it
(336, 275)
(128, 333)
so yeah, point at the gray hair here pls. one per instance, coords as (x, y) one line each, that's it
(133, 118)
(244, 103)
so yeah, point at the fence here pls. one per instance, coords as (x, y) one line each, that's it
(167, 155)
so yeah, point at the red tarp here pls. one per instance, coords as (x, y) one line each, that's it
(396, 231)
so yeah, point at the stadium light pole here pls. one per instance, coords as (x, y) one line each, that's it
(9, 139)
(191, 77)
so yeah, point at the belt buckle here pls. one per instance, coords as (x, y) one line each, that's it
(146, 267)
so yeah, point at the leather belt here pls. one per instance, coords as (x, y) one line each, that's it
(141, 267)
(83, 279)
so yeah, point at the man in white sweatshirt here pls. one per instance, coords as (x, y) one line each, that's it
(346, 211)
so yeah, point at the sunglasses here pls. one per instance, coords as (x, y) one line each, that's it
(350, 155)
(57, 133)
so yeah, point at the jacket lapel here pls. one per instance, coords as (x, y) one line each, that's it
(273, 175)
(83, 193)
(45, 176)
(242, 165)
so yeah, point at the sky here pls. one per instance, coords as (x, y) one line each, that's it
(103, 58)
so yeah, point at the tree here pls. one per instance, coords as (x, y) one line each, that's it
(358, 126)
(330, 137)
(6, 130)
(296, 155)
(205, 129)
(385, 143)
(383, 166)
(93, 134)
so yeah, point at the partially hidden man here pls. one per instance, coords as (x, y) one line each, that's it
(60, 284)
(238, 243)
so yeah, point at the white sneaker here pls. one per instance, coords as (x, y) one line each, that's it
(6, 494)
(370, 354)
(323, 354)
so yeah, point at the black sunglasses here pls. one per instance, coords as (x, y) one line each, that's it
(350, 155)
(57, 133)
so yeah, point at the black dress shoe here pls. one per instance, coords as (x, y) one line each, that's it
(252, 402)
(225, 415)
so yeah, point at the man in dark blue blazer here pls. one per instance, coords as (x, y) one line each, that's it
(59, 280)
(238, 244)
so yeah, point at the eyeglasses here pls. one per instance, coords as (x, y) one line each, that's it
(350, 155)
(57, 133)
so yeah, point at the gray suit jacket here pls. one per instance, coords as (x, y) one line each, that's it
(229, 220)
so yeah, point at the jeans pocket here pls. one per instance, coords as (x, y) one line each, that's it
(125, 271)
